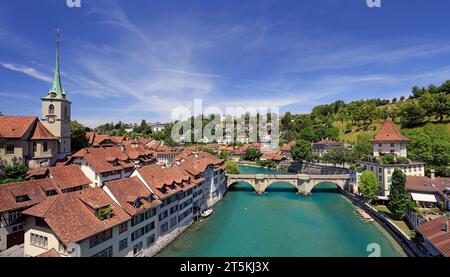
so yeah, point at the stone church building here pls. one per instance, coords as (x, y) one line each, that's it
(39, 142)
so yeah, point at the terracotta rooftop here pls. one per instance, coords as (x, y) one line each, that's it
(15, 126)
(52, 253)
(164, 181)
(435, 232)
(129, 190)
(103, 159)
(69, 176)
(389, 132)
(287, 147)
(42, 133)
(72, 216)
(328, 142)
(24, 194)
(272, 156)
(37, 173)
(425, 184)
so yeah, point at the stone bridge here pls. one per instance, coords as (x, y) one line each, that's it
(304, 183)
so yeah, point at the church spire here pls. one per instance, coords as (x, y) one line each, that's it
(57, 90)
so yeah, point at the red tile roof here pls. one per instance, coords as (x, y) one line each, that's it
(42, 133)
(328, 142)
(287, 147)
(425, 184)
(37, 173)
(164, 181)
(15, 126)
(127, 191)
(103, 159)
(434, 232)
(69, 176)
(90, 137)
(153, 145)
(118, 139)
(99, 139)
(72, 216)
(273, 157)
(52, 253)
(34, 190)
(389, 132)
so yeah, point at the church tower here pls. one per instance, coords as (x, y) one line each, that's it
(56, 110)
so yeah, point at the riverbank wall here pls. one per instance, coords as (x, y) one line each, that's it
(400, 237)
(162, 242)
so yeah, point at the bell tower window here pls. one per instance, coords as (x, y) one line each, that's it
(45, 147)
(51, 109)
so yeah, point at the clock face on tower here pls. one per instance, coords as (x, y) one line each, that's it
(51, 119)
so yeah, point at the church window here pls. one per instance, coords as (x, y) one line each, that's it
(51, 109)
(10, 149)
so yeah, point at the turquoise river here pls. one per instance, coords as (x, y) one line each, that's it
(282, 224)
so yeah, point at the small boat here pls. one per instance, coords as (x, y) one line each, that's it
(207, 213)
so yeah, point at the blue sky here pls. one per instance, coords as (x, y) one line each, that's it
(128, 60)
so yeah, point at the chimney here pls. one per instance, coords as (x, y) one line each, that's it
(432, 174)
(446, 226)
(122, 148)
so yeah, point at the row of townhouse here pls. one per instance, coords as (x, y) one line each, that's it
(16, 197)
(133, 216)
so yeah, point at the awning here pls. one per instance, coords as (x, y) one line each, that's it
(424, 197)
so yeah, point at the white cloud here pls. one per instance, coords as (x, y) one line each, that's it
(28, 71)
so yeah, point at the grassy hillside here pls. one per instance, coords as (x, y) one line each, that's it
(439, 130)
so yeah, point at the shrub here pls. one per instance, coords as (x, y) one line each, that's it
(104, 213)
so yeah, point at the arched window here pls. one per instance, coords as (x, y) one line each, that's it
(34, 146)
(51, 109)
(66, 113)
(45, 147)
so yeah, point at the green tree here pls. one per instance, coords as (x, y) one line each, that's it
(14, 173)
(363, 147)
(301, 151)
(231, 167)
(441, 107)
(398, 198)
(252, 154)
(336, 156)
(368, 186)
(412, 113)
(224, 155)
(78, 135)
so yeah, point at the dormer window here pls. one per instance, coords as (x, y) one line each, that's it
(137, 203)
(51, 109)
(150, 198)
(22, 198)
(51, 192)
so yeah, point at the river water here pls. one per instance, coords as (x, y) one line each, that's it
(282, 224)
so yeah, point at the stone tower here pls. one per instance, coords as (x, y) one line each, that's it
(56, 110)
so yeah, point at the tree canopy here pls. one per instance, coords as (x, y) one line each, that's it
(398, 198)
(368, 185)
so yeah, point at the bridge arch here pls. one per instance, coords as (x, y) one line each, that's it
(310, 185)
(270, 183)
(248, 184)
